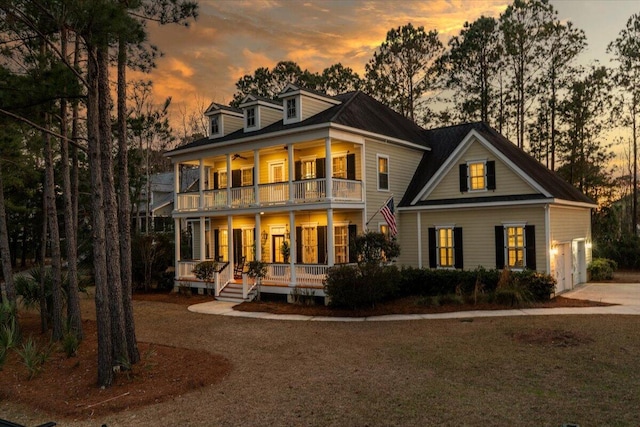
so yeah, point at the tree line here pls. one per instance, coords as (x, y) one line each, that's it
(60, 133)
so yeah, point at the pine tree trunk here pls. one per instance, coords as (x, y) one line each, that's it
(116, 311)
(44, 310)
(54, 236)
(124, 205)
(7, 271)
(105, 355)
(73, 298)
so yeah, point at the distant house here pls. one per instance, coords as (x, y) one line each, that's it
(312, 171)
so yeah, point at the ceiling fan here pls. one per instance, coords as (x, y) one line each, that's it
(238, 156)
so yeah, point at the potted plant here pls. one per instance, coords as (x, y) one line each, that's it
(285, 250)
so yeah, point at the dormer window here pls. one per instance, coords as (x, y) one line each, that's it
(251, 117)
(292, 111)
(215, 125)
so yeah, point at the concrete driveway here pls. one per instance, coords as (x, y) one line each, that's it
(627, 294)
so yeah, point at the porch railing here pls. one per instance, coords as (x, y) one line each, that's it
(273, 194)
(311, 275)
(277, 274)
(345, 189)
(310, 190)
(188, 201)
(185, 268)
(242, 197)
(222, 278)
(215, 199)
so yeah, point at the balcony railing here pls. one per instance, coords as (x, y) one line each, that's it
(307, 191)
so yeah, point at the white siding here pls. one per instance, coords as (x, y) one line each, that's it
(311, 107)
(269, 116)
(231, 124)
(570, 223)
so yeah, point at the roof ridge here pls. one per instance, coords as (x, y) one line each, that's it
(344, 105)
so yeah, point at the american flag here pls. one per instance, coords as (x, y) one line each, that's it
(389, 215)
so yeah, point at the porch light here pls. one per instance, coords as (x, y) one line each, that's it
(554, 250)
(588, 245)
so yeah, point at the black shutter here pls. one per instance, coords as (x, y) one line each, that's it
(353, 233)
(253, 176)
(215, 180)
(216, 244)
(322, 244)
(237, 245)
(463, 178)
(299, 245)
(499, 247)
(298, 170)
(491, 175)
(457, 247)
(320, 168)
(351, 166)
(432, 247)
(530, 250)
(236, 178)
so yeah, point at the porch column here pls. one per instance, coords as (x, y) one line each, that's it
(293, 246)
(201, 186)
(292, 171)
(230, 241)
(176, 185)
(229, 181)
(258, 238)
(331, 249)
(177, 234)
(256, 176)
(419, 225)
(328, 163)
(203, 243)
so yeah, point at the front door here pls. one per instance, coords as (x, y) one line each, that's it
(276, 245)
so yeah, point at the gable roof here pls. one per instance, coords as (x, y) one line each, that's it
(444, 141)
(356, 110)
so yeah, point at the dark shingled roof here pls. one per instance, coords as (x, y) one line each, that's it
(357, 110)
(444, 141)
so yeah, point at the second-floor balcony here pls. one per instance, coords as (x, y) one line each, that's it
(279, 193)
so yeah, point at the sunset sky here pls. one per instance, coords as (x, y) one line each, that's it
(232, 38)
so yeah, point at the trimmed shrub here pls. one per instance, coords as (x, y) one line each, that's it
(204, 270)
(602, 268)
(539, 285)
(431, 282)
(360, 286)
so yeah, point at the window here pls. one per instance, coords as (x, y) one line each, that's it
(444, 243)
(247, 177)
(445, 247)
(515, 246)
(308, 169)
(309, 245)
(292, 111)
(341, 236)
(514, 237)
(251, 117)
(384, 229)
(339, 167)
(476, 176)
(383, 172)
(222, 178)
(248, 248)
(223, 243)
(215, 126)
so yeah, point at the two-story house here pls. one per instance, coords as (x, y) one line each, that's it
(292, 182)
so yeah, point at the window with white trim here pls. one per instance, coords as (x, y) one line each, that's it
(222, 178)
(215, 125)
(477, 176)
(246, 176)
(309, 244)
(515, 246)
(308, 168)
(223, 243)
(445, 247)
(248, 247)
(251, 117)
(292, 111)
(341, 243)
(383, 172)
(339, 166)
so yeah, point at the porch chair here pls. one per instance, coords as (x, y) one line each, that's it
(239, 267)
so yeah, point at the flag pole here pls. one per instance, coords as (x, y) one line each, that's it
(378, 211)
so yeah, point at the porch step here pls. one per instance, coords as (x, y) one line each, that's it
(233, 293)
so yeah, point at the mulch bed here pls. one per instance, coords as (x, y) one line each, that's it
(67, 386)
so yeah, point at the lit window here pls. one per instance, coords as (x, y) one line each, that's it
(223, 244)
(309, 169)
(215, 126)
(248, 247)
(383, 173)
(384, 229)
(341, 244)
(515, 247)
(444, 241)
(251, 117)
(292, 112)
(222, 178)
(247, 177)
(477, 177)
(339, 166)
(309, 245)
